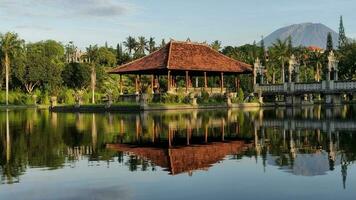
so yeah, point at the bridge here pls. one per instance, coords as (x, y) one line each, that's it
(328, 125)
(294, 92)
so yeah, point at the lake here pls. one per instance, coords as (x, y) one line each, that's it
(274, 153)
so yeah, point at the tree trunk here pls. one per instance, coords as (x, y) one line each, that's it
(283, 75)
(93, 83)
(7, 66)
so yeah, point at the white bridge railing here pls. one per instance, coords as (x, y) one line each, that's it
(324, 86)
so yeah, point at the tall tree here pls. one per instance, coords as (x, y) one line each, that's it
(329, 43)
(41, 63)
(70, 51)
(130, 44)
(290, 45)
(10, 43)
(280, 51)
(216, 45)
(342, 35)
(263, 51)
(141, 46)
(92, 54)
(151, 45)
(163, 43)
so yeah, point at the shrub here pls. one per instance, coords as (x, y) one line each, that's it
(66, 96)
(239, 98)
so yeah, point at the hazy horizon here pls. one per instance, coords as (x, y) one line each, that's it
(88, 22)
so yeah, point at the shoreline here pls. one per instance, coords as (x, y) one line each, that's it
(152, 107)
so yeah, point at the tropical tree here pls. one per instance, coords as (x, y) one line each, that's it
(329, 43)
(317, 58)
(151, 45)
(342, 35)
(141, 47)
(10, 43)
(347, 65)
(130, 44)
(121, 56)
(70, 50)
(216, 45)
(280, 51)
(163, 43)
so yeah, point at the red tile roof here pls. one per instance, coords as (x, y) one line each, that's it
(184, 56)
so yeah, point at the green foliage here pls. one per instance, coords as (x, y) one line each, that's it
(40, 64)
(342, 35)
(76, 75)
(105, 57)
(347, 64)
(66, 96)
(205, 98)
(329, 43)
(17, 98)
(239, 97)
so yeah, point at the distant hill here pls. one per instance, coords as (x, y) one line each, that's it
(305, 34)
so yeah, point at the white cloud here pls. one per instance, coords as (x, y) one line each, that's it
(66, 8)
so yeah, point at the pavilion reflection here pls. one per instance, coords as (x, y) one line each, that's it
(184, 142)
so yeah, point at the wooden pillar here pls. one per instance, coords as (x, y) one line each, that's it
(136, 84)
(121, 84)
(158, 86)
(139, 84)
(222, 82)
(237, 83)
(152, 83)
(205, 81)
(169, 81)
(186, 81)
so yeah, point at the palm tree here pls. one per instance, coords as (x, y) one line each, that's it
(92, 58)
(280, 50)
(130, 44)
(318, 59)
(151, 45)
(216, 45)
(10, 43)
(141, 46)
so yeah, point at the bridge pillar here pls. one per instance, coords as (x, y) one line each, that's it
(293, 100)
(333, 99)
(328, 99)
(337, 99)
(354, 96)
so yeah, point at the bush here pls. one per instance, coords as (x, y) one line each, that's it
(239, 98)
(44, 98)
(66, 96)
(17, 98)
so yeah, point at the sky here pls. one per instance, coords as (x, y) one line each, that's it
(234, 22)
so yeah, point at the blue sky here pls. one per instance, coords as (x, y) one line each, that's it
(234, 22)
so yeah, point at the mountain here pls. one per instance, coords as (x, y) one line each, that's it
(305, 34)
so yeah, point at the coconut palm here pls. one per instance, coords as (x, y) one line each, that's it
(92, 57)
(280, 50)
(10, 43)
(141, 46)
(318, 60)
(216, 45)
(151, 44)
(130, 44)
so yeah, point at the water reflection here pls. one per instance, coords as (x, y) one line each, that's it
(306, 141)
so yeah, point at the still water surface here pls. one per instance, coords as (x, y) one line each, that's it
(301, 153)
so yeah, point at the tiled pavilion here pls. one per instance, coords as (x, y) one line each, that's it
(187, 59)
